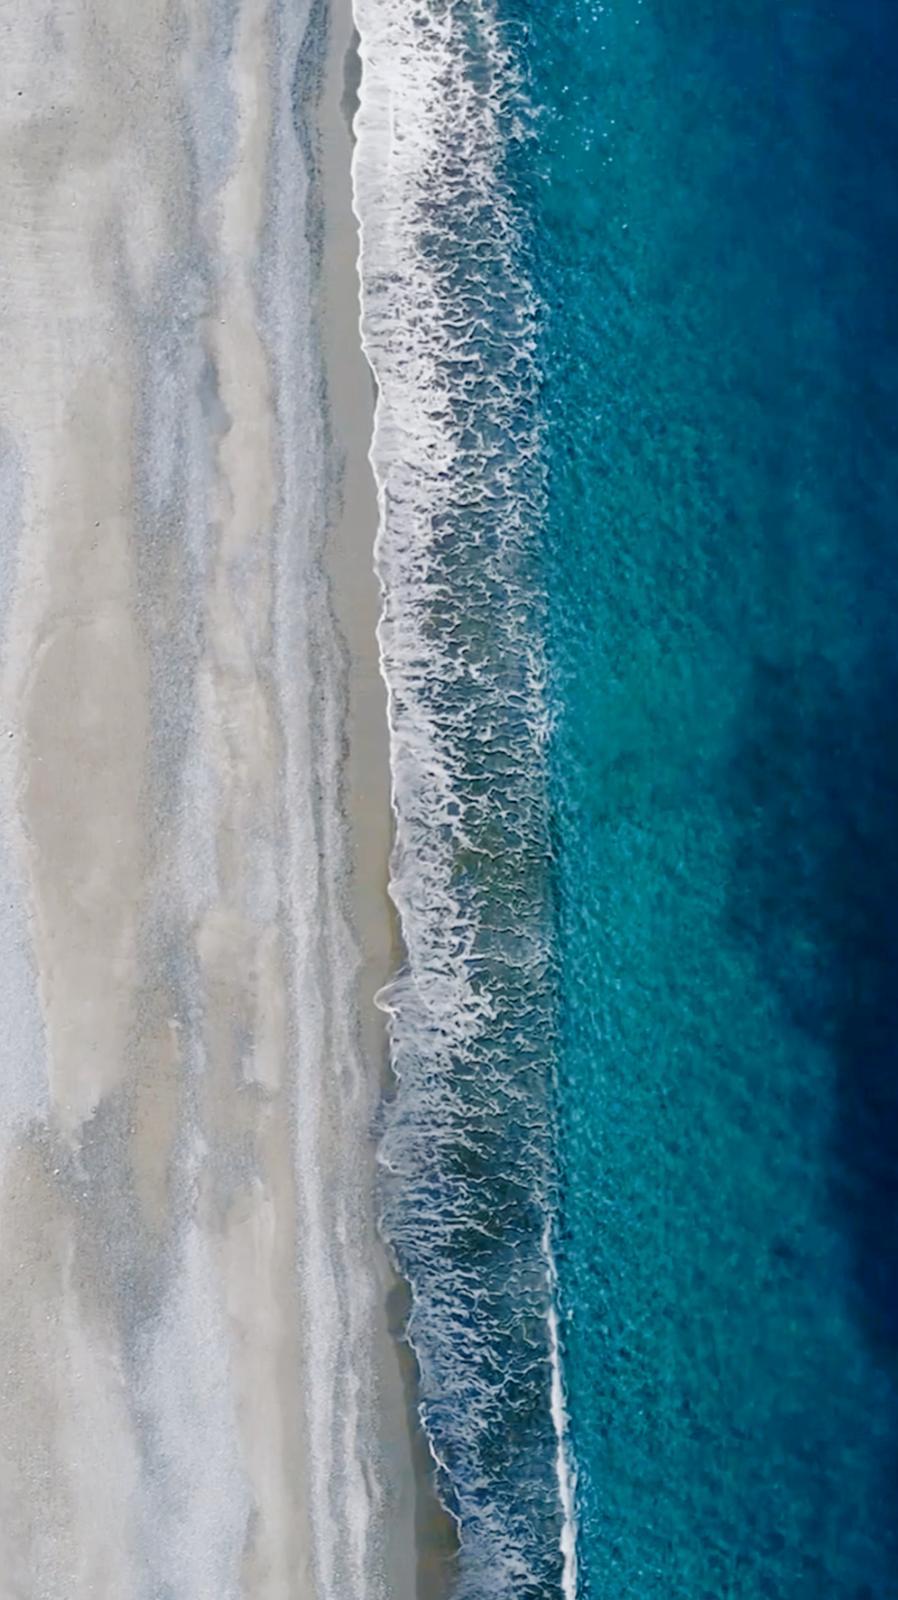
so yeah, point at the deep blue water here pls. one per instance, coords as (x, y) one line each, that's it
(652, 957)
(715, 204)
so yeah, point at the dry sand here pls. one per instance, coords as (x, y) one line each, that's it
(199, 1397)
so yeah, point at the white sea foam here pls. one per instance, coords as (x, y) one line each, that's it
(416, 105)
(564, 1463)
(447, 325)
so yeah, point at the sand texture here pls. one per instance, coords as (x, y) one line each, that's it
(198, 1399)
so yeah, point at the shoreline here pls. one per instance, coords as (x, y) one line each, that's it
(356, 599)
(195, 829)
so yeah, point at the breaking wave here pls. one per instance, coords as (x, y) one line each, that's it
(448, 323)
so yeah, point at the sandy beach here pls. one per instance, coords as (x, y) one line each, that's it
(200, 1395)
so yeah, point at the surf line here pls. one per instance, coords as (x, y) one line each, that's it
(565, 1468)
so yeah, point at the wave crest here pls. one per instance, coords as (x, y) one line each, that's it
(448, 324)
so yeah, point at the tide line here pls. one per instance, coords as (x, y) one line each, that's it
(564, 1463)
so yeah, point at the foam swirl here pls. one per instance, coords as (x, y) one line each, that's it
(448, 322)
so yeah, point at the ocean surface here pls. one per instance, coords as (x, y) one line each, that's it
(628, 293)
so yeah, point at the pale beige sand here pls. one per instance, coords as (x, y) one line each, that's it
(198, 1397)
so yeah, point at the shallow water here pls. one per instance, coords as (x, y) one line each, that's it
(636, 345)
(449, 328)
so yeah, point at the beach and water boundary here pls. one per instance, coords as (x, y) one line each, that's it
(467, 1144)
(447, 795)
(195, 824)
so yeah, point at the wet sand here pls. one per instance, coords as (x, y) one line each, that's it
(356, 599)
(199, 1394)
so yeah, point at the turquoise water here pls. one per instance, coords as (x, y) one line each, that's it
(714, 242)
(634, 330)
